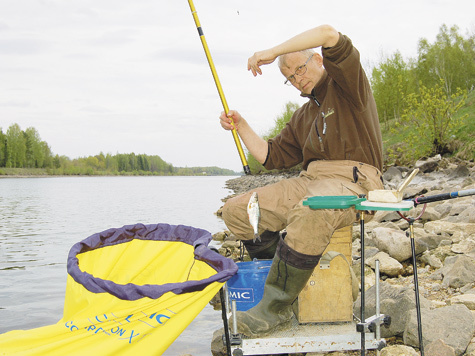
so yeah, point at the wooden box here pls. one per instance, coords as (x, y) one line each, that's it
(327, 297)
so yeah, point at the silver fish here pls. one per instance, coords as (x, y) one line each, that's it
(254, 214)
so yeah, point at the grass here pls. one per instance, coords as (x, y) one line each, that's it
(23, 172)
(466, 132)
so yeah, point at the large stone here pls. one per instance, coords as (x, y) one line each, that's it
(461, 273)
(443, 251)
(390, 216)
(464, 246)
(440, 227)
(439, 348)
(387, 265)
(432, 241)
(429, 214)
(414, 190)
(431, 260)
(458, 236)
(392, 174)
(218, 347)
(427, 166)
(452, 324)
(460, 171)
(221, 236)
(459, 208)
(466, 299)
(395, 243)
(370, 278)
(399, 350)
(444, 208)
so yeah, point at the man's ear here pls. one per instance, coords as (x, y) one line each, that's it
(318, 59)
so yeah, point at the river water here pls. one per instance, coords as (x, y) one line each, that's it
(41, 218)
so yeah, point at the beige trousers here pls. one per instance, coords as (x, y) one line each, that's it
(281, 204)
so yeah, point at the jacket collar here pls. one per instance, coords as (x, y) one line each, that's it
(320, 90)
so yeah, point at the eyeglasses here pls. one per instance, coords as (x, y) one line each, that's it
(300, 71)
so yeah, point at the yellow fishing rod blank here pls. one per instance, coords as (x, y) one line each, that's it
(237, 141)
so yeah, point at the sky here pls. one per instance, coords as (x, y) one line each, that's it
(122, 76)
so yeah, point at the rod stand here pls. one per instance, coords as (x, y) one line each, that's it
(226, 340)
(416, 286)
(362, 296)
(410, 234)
(235, 336)
(371, 323)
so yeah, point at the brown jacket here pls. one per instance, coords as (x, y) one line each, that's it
(339, 122)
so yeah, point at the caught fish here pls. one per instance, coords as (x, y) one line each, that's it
(254, 215)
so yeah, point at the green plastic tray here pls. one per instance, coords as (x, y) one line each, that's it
(333, 202)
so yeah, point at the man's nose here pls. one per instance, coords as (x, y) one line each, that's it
(298, 79)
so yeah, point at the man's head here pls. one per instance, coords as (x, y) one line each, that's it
(302, 69)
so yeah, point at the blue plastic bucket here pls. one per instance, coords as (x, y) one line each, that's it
(247, 285)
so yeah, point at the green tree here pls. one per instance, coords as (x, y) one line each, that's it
(16, 147)
(450, 58)
(123, 162)
(158, 165)
(92, 162)
(132, 162)
(282, 120)
(101, 161)
(56, 162)
(3, 149)
(35, 154)
(143, 162)
(430, 120)
(111, 163)
(390, 82)
(47, 154)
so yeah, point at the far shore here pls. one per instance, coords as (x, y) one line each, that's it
(102, 175)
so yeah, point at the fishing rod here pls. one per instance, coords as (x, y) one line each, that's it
(443, 196)
(218, 86)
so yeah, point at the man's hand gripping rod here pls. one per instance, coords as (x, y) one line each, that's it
(218, 86)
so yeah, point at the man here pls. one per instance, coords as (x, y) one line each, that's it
(336, 136)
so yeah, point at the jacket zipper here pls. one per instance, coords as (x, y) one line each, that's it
(322, 147)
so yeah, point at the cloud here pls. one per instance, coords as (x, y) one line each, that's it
(22, 46)
(15, 103)
(115, 37)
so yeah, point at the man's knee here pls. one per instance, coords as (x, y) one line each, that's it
(228, 210)
(309, 231)
(234, 210)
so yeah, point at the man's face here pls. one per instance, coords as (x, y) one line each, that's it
(313, 73)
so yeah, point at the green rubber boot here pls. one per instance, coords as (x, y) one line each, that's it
(289, 272)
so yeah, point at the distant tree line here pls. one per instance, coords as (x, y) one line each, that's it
(107, 164)
(25, 149)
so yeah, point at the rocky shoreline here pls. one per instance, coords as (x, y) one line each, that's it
(444, 237)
